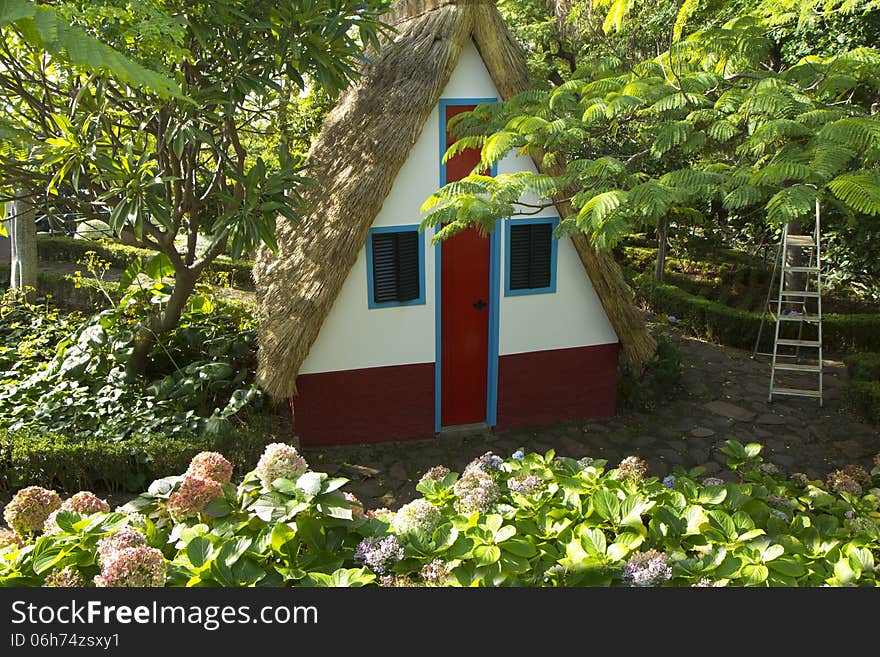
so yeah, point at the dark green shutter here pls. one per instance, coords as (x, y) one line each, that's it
(529, 255)
(396, 266)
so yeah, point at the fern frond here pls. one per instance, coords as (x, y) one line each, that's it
(743, 197)
(595, 113)
(791, 203)
(829, 159)
(462, 144)
(854, 132)
(781, 172)
(497, 146)
(669, 135)
(722, 131)
(859, 190)
(688, 8)
(44, 28)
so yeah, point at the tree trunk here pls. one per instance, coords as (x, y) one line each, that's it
(660, 265)
(23, 245)
(794, 280)
(161, 322)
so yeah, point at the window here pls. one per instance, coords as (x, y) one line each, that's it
(531, 256)
(395, 267)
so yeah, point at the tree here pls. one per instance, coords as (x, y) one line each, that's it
(707, 127)
(173, 168)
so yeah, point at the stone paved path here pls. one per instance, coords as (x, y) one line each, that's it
(723, 394)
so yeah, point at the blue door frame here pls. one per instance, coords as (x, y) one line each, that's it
(494, 288)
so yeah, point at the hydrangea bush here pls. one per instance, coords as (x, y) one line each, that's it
(527, 520)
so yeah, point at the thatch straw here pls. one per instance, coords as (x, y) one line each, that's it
(362, 146)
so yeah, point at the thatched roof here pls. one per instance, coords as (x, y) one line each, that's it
(362, 146)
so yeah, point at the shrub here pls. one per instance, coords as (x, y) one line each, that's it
(739, 328)
(68, 249)
(71, 463)
(654, 382)
(66, 373)
(865, 397)
(578, 523)
(864, 366)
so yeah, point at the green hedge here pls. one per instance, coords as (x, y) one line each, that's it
(68, 249)
(53, 460)
(865, 397)
(739, 328)
(864, 366)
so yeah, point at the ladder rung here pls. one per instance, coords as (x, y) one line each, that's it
(800, 293)
(800, 269)
(795, 392)
(792, 367)
(798, 343)
(797, 317)
(800, 240)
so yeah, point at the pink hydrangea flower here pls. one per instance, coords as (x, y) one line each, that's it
(121, 540)
(83, 503)
(210, 465)
(136, 567)
(68, 577)
(27, 511)
(190, 499)
(9, 537)
(279, 461)
(357, 507)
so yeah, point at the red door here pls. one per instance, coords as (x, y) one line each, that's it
(464, 298)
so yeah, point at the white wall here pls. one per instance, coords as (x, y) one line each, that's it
(355, 336)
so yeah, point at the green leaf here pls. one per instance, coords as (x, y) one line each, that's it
(219, 507)
(593, 541)
(282, 534)
(788, 566)
(520, 547)
(486, 555)
(46, 557)
(754, 574)
(504, 533)
(697, 520)
(199, 551)
(606, 504)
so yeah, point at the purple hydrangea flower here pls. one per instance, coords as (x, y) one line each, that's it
(669, 481)
(525, 485)
(437, 473)
(633, 469)
(435, 572)
(487, 463)
(646, 569)
(518, 454)
(476, 491)
(379, 554)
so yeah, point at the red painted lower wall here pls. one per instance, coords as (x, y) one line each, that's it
(371, 405)
(560, 384)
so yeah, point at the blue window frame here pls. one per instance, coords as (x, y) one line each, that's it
(530, 256)
(395, 267)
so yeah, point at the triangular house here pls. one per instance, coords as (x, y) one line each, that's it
(376, 334)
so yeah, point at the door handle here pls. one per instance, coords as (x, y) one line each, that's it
(480, 304)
